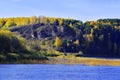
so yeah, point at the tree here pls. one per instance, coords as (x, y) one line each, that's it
(60, 21)
(2, 23)
(71, 25)
(57, 42)
(10, 23)
(33, 19)
(76, 42)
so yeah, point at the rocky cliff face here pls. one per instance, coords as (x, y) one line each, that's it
(100, 41)
(41, 31)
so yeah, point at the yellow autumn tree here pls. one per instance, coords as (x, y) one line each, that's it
(93, 23)
(1, 23)
(71, 25)
(9, 23)
(77, 42)
(60, 21)
(33, 19)
(57, 42)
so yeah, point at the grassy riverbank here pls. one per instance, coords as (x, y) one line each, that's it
(85, 61)
(71, 61)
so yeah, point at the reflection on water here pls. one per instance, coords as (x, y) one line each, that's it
(58, 72)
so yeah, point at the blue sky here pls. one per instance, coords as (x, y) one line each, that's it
(78, 9)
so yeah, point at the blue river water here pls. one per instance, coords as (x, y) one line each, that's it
(58, 72)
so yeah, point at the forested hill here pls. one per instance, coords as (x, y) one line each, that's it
(99, 38)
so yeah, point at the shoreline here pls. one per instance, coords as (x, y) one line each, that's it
(71, 61)
(86, 61)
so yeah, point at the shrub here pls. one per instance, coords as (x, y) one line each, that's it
(42, 43)
(2, 57)
(52, 55)
(10, 43)
(13, 56)
(27, 56)
(5, 40)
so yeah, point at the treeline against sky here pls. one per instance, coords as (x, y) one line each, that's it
(99, 38)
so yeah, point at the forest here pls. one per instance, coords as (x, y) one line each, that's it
(40, 37)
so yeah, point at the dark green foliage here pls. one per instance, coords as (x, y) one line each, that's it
(4, 44)
(13, 56)
(10, 43)
(105, 42)
(52, 55)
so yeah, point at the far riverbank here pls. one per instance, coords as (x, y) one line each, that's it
(74, 60)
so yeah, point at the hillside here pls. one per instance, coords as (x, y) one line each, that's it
(99, 38)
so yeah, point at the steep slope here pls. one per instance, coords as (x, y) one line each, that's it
(93, 38)
(99, 38)
(41, 31)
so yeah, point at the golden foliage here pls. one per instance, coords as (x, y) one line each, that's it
(60, 21)
(11, 35)
(57, 42)
(1, 23)
(93, 23)
(32, 19)
(90, 37)
(71, 25)
(20, 21)
(9, 23)
(77, 42)
(5, 32)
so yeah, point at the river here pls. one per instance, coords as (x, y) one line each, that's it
(58, 72)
